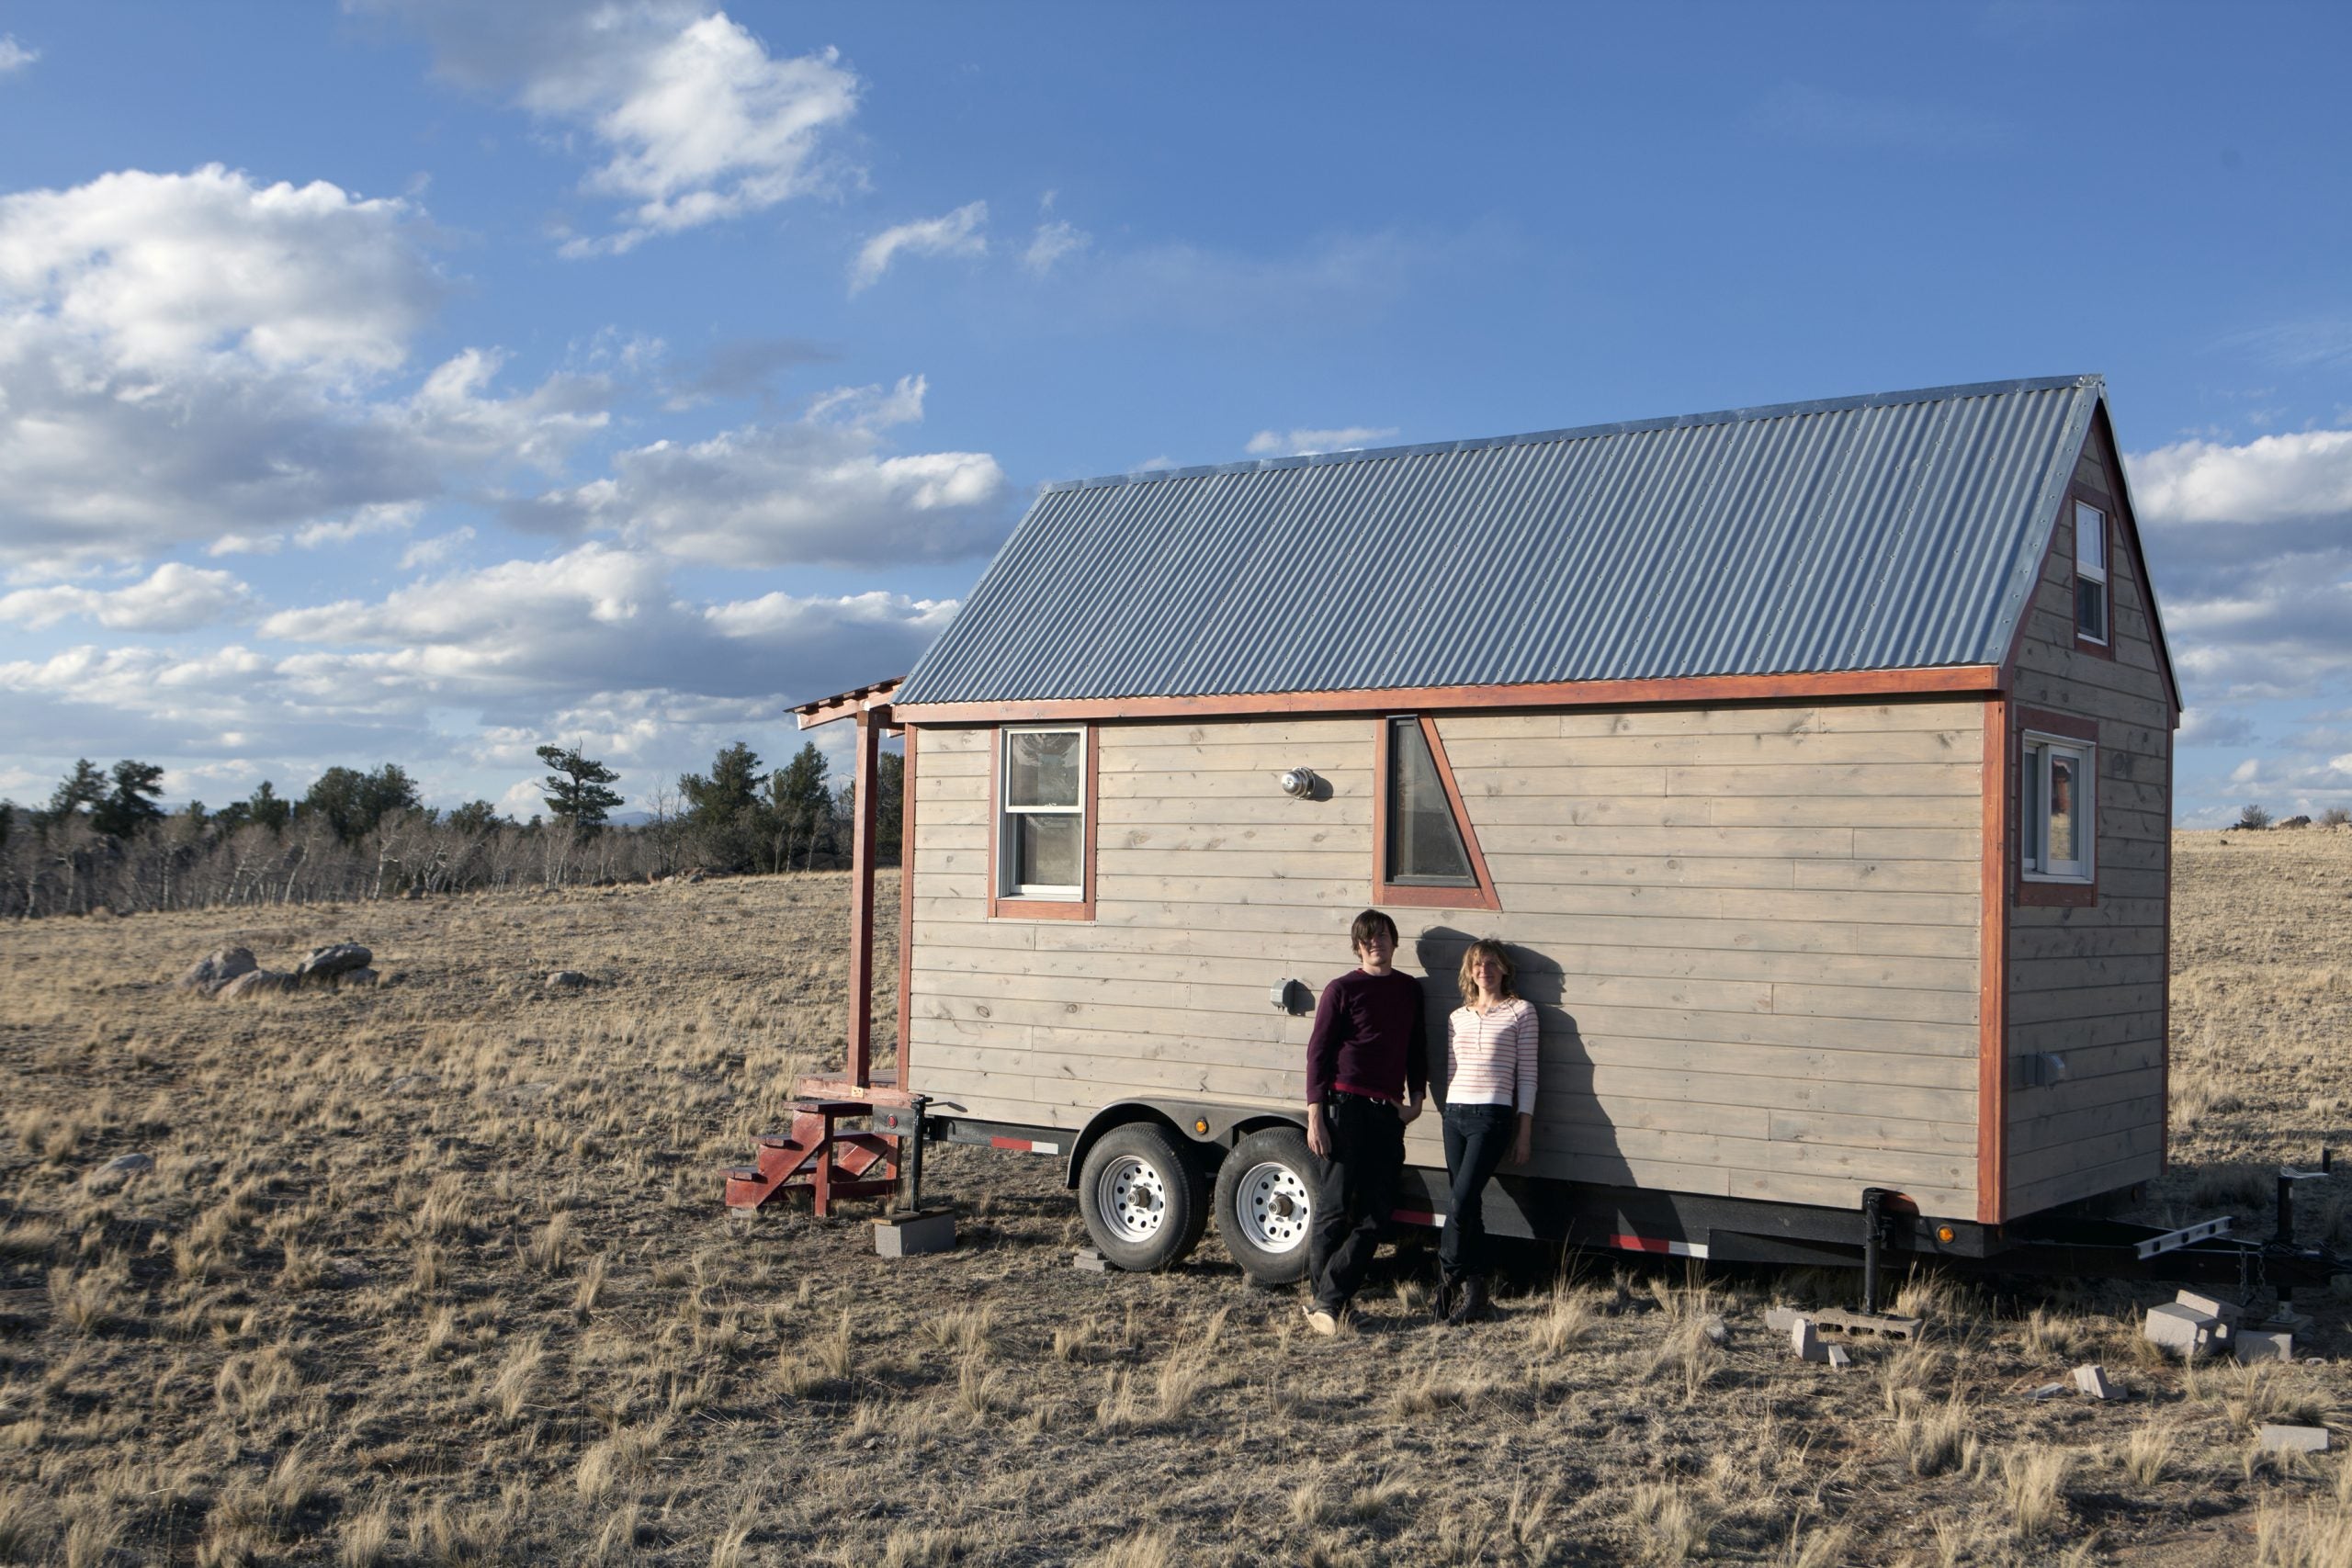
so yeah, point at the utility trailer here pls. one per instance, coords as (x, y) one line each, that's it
(1814, 762)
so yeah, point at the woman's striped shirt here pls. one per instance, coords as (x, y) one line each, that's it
(1490, 1056)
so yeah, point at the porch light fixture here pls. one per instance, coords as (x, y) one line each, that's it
(1298, 782)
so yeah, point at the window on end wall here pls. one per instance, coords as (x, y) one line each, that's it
(1424, 847)
(2056, 831)
(2091, 606)
(1041, 826)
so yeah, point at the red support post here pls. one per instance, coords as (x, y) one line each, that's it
(861, 899)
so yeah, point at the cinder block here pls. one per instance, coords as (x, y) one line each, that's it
(2048, 1391)
(911, 1236)
(1840, 1358)
(2184, 1331)
(1780, 1320)
(1806, 1342)
(1091, 1261)
(2262, 1345)
(2294, 1439)
(2092, 1380)
(2211, 1307)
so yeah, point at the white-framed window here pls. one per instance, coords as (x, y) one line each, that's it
(1041, 819)
(2057, 830)
(2091, 598)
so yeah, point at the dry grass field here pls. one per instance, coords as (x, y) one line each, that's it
(437, 1273)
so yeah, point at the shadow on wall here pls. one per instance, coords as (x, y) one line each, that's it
(1564, 1077)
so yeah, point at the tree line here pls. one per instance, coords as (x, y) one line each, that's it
(103, 839)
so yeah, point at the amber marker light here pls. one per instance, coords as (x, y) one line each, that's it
(1945, 1233)
(1201, 1124)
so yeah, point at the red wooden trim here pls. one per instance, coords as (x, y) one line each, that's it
(1482, 896)
(907, 914)
(2033, 895)
(2164, 1002)
(861, 700)
(1978, 678)
(861, 901)
(1046, 908)
(2121, 517)
(1992, 970)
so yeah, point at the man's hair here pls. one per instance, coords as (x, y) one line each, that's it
(1486, 947)
(1371, 920)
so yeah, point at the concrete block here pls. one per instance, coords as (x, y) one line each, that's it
(912, 1236)
(2184, 1331)
(1806, 1342)
(1840, 1358)
(2294, 1439)
(2261, 1345)
(2287, 1320)
(1780, 1320)
(1883, 1323)
(1088, 1260)
(2221, 1307)
(2048, 1391)
(2092, 1380)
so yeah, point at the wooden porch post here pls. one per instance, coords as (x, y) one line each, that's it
(860, 897)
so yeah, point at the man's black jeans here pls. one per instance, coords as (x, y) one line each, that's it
(1477, 1137)
(1357, 1190)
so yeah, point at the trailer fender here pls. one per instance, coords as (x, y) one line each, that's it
(1212, 1129)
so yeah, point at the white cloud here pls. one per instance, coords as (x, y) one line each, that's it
(698, 121)
(189, 356)
(174, 598)
(436, 549)
(1307, 443)
(2205, 725)
(247, 545)
(2271, 479)
(161, 272)
(14, 56)
(957, 234)
(817, 491)
(1054, 242)
(393, 519)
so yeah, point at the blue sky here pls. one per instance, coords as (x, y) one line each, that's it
(422, 381)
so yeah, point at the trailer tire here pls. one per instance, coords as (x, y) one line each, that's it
(1265, 1204)
(1143, 1197)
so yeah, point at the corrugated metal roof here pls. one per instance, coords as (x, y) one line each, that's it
(1897, 531)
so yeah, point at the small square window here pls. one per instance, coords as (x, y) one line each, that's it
(2091, 599)
(2056, 831)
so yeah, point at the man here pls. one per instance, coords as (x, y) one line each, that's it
(1367, 1069)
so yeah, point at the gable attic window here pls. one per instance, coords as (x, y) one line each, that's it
(2057, 832)
(1425, 851)
(2091, 599)
(1042, 854)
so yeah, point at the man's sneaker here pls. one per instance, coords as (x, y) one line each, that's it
(1471, 1302)
(1322, 1319)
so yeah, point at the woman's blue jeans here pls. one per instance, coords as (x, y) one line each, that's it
(1477, 1137)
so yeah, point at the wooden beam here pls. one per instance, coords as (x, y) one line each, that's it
(1957, 678)
(1993, 977)
(860, 901)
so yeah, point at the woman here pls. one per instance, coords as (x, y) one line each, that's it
(1490, 1113)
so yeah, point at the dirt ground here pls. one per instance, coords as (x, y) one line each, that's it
(437, 1272)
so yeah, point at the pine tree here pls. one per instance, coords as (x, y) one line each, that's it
(575, 790)
(130, 804)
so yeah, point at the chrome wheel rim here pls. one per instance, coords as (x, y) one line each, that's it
(1271, 1207)
(1131, 1199)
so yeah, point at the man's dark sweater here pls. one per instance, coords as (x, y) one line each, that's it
(1369, 1039)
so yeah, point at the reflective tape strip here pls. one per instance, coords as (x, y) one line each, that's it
(1668, 1248)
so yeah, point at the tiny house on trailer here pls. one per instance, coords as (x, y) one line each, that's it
(1814, 761)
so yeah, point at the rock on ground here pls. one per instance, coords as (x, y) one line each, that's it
(117, 1172)
(216, 968)
(566, 979)
(256, 982)
(337, 958)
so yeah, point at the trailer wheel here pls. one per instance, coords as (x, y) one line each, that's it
(1265, 1204)
(1144, 1198)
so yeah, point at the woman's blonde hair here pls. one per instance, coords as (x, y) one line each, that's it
(1468, 977)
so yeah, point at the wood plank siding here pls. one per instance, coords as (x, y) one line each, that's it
(1751, 933)
(2088, 983)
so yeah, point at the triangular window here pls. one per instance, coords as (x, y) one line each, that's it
(1428, 855)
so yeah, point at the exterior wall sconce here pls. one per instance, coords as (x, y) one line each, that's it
(1298, 782)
